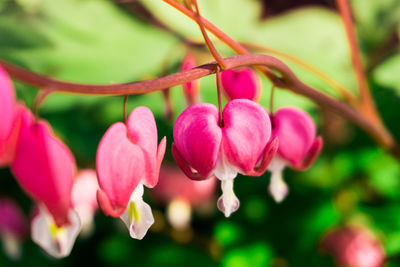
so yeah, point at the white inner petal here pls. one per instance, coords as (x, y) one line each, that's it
(277, 164)
(277, 187)
(86, 214)
(225, 172)
(56, 241)
(138, 217)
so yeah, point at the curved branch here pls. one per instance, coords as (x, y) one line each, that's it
(287, 80)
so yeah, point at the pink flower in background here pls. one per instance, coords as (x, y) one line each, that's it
(13, 227)
(84, 198)
(45, 167)
(127, 159)
(241, 83)
(203, 148)
(190, 89)
(182, 194)
(354, 246)
(298, 146)
(9, 111)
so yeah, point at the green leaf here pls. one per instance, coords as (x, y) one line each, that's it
(227, 233)
(387, 74)
(258, 254)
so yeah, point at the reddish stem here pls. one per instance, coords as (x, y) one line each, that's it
(210, 46)
(124, 108)
(219, 86)
(367, 103)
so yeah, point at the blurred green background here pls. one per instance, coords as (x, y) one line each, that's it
(100, 41)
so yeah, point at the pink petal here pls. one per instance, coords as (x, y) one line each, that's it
(142, 131)
(185, 166)
(8, 118)
(7, 104)
(120, 167)
(44, 167)
(84, 189)
(296, 132)
(243, 83)
(311, 155)
(246, 132)
(266, 158)
(198, 137)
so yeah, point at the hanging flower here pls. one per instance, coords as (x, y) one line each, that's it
(45, 167)
(13, 227)
(242, 144)
(84, 198)
(354, 246)
(298, 146)
(241, 83)
(9, 118)
(127, 159)
(181, 194)
(190, 89)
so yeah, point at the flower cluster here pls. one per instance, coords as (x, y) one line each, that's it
(241, 139)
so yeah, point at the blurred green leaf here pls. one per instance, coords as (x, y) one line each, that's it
(227, 233)
(254, 255)
(392, 243)
(383, 172)
(387, 73)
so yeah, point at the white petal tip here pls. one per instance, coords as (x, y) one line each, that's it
(228, 209)
(57, 242)
(228, 202)
(278, 189)
(138, 217)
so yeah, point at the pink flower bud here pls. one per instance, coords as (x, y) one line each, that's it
(9, 119)
(190, 89)
(127, 158)
(203, 148)
(298, 146)
(45, 167)
(354, 246)
(243, 83)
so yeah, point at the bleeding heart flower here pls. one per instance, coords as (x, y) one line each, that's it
(84, 198)
(45, 167)
(127, 158)
(242, 83)
(190, 89)
(9, 117)
(182, 194)
(354, 246)
(204, 148)
(298, 146)
(13, 227)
